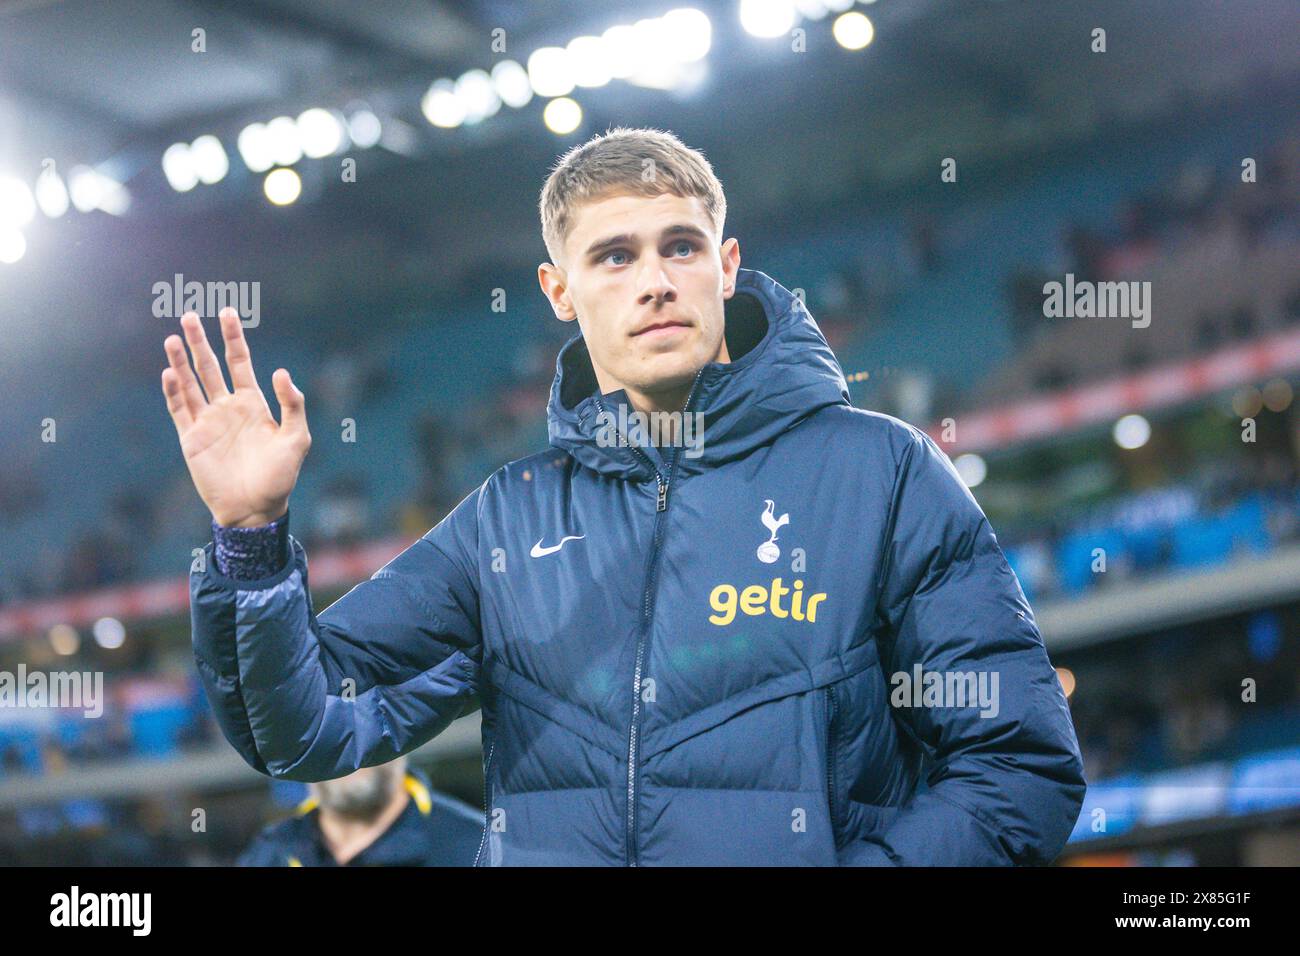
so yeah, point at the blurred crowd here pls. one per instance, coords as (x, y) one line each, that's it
(1200, 200)
(1188, 695)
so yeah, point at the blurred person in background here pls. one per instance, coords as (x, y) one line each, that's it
(378, 816)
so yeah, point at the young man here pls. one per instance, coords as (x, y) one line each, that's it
(681, 651)
(378, 816)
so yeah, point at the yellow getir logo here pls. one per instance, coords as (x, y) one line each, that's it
(756, 600)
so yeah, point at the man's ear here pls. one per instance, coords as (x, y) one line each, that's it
(555, 287)
(730, 254)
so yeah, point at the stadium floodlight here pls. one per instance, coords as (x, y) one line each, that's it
(282, 186)
(399, 137)
(665, 61)
(668, 75)
(51, 193)
(477, 96)
(64, 639)
(653, 38)
(441, 106)
(91, 189)
(109, 633)
(971, 468)
(853, 30)
(689, 32)
(83, 188)
(113, 197)
(562, 116)
(589, 61)
(1132, 431)
(812, 9)
(256, 148)
(13, 244)
(1066, 677)
(178, 167)
(17, 205)
(364, 128)
(510, 80)
(319, 133)
(209, 160)
(623, 51)
(839, 6)
(285, 143)
(550, 71)
(767, 18)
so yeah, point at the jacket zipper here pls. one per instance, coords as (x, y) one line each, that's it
(832, 710)
(487, 807)
(661, 505)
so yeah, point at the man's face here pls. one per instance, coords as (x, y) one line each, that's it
(646, 279)
(362, 794)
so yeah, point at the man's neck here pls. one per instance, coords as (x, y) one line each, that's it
(668, 400)
(346, 837)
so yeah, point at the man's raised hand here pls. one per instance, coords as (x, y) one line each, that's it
(243, 464)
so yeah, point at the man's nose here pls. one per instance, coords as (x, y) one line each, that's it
(654, 285)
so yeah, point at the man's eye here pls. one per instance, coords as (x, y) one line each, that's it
(616, 252)
(684, 244)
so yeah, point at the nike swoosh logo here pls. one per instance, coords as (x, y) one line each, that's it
(540, 552)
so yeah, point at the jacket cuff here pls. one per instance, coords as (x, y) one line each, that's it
(251, 554)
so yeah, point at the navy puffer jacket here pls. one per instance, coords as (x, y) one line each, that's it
(739, 656)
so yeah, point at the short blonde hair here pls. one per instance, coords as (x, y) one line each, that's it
(643, 162)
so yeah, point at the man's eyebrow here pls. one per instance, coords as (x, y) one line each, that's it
(627, 239)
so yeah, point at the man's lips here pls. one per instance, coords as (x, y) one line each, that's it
(661, 326)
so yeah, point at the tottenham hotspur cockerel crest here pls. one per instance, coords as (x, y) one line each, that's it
(768, 552)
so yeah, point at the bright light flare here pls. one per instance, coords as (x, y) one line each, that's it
(282, 186)
(562, 116)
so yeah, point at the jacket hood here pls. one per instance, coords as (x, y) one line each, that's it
(782, 371)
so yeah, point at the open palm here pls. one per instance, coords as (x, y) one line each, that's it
(244, 465)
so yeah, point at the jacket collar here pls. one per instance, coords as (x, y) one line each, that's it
(781, 371)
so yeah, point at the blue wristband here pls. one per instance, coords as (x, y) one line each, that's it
(251, 554)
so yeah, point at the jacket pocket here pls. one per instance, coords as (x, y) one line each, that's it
(810, 682)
